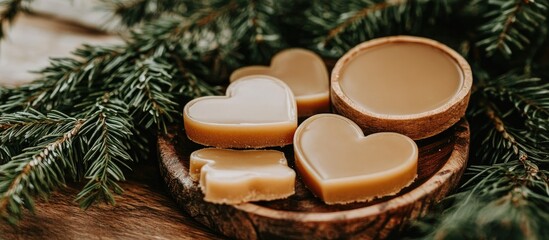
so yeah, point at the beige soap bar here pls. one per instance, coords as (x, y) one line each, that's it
(237, 176)
(401, 78)
(257, 112)
(305, 73)
(339, 165)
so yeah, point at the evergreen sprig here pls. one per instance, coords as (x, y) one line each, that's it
(108, 137)
(501, 201)
(508, 183)
(39, 168)
(521, 128)
(148, 95)
(528, 96)
(9, 9)
(134, 12)
(512, 24)
(338, 26)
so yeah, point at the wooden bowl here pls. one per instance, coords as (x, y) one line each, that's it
(442, 160)
(416, 126)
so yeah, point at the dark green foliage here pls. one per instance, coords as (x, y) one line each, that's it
(512, 25)
(8, 11)
(107, 134)
(88, 116)
(340, 25)
(511, 119)
(133, 12)
(508, 184)
(503, 201)
(39, 168)
(528, 96)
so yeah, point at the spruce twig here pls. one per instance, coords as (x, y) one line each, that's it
(522, 127)
(64, 80)
(135, 12)
(108, 133)
(503, 203)
(508, 184)
(511, 24)
(338, 26)
(527, 95)
(37, 170)
(9, 9)
(363, 13)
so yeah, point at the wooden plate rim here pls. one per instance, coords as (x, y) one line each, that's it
(454, 165)
(456, 162)
(460, 96)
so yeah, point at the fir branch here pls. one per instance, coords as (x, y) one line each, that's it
(363, 13)
(509, 186)
(502, 201)
(21, 125)
(9, 9)
(503, 143)
(61, 81)
(529, 97)
(186, 38)
(512, 24)
(105, 69)
(134, 12)
(108, 134)
(220, 36)
(338, 26)
(22, 129)
(150, 94)
(520, 129)
(6, 153)
(37, 170)
(192, 86)
(259, 25)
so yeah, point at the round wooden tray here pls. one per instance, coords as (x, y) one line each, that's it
(442, 160)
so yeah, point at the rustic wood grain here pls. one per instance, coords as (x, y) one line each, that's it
(442, 160)
(416, 126)
(144, 211)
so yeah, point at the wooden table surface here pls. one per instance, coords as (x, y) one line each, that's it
(144, 211)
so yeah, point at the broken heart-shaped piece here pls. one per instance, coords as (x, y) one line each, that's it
(237, 176)
(305, 73)
(258, 111)
(340, 165)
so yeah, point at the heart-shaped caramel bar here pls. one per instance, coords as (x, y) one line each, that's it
(340, 165)
(257, 111)
(304, 72)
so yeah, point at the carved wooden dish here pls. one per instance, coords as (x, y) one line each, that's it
(416, 126)
(442, 160)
